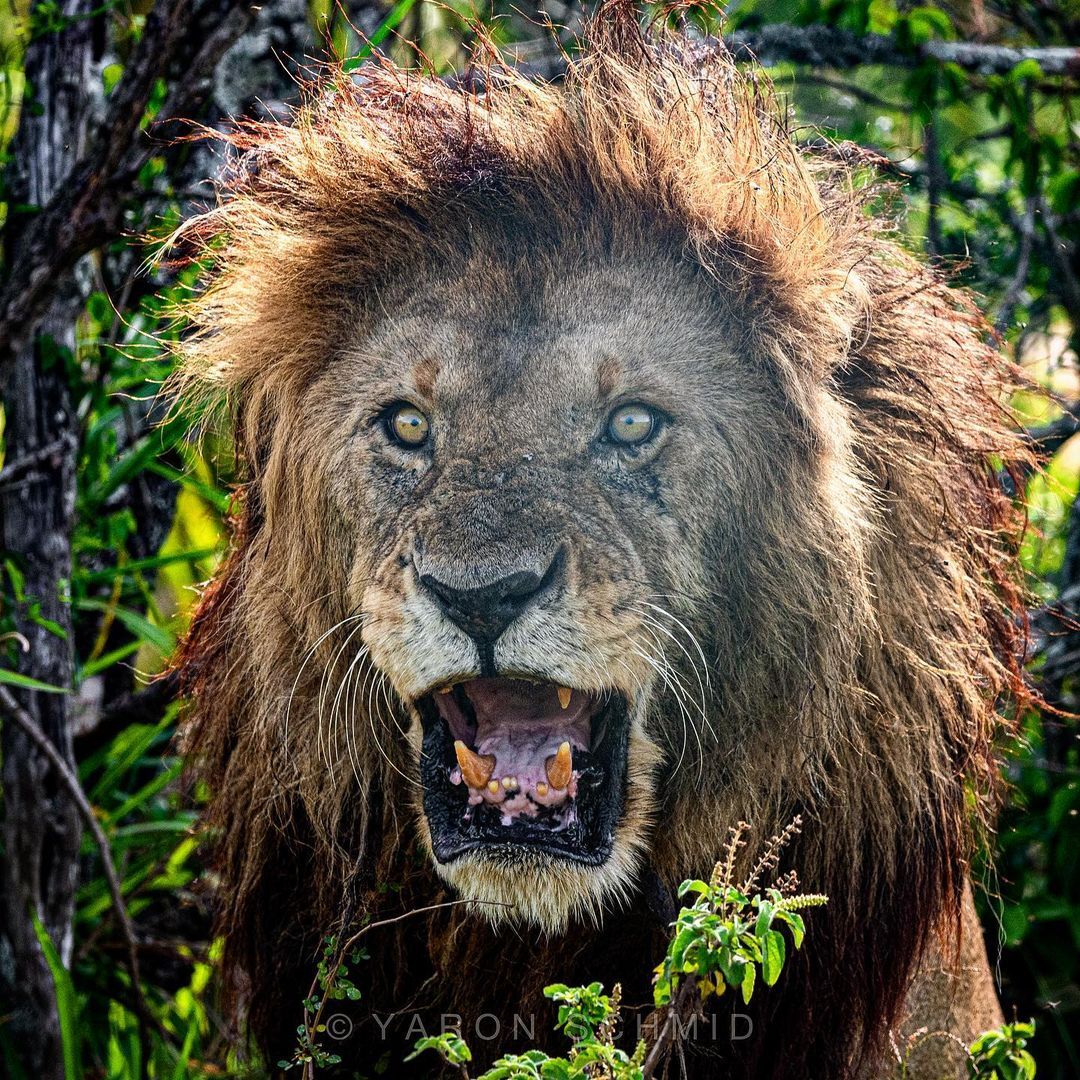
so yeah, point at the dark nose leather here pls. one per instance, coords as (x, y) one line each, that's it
(486, 610)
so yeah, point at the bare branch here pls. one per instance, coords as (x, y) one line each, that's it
(43, 455)
(87, 208)
(1023, 262)
(25, 721)
(829, 46)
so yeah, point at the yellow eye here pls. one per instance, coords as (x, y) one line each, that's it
(632, 425)
(408, 426)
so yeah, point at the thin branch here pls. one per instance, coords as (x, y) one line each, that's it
(935, 181)
(88, 207)
(312, 1026)
(666, 1040)
(78, 797)
(43, 455)
(829, 46)
(867, 97)
(1023, 262)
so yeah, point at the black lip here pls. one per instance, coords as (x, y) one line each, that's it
(457, 829)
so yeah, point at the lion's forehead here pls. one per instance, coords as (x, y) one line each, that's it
(553, 337)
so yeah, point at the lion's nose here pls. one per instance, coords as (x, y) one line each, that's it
(485, 608)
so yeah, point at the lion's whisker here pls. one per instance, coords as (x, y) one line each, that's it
(328, 671)
(683, 700)
(350, 713)
(304, 663)
(702, 706)
(662, 669)
(705, 673)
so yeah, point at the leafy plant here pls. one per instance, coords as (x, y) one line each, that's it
(587, 1015)
(723, 938)
(1001, 1054)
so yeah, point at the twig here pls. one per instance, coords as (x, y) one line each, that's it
(867, 97)
(1023, 261)
(660, 1049)
(935, 179)
(830, 46)
(78, 797)
(311, 1026)
(27, 462)
(88, 206)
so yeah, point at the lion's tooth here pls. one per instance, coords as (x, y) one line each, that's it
(558, 768)
(564, 696)
(541, 789)
(445, 689)
(493, 787)
(509, 782)
(475, 768)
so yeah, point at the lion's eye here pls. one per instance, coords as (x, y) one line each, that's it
(632, 425)
(408, 426)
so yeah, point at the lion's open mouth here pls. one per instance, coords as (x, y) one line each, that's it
(509, 763)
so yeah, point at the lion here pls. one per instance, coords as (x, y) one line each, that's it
(610, 475)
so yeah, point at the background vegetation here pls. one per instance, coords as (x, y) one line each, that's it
(109, 519)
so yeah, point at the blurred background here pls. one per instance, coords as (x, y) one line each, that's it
(110, 518)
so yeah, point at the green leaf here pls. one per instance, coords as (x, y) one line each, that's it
(386, 27)
(747, 986)
(14, 678)
(138, 625)
(106, 660)
(772, 956)
(764, 919)
(1028, 68)
(138, 565)
(66, 1001)
(699, 887)
(450, 1045)
(795, 924)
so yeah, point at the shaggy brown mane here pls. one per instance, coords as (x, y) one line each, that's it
(915, 632)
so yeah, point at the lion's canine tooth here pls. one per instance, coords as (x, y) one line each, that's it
(558, 768)
(475, 768)
(564, 696)
(445, 689)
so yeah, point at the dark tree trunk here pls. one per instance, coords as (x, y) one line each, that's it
(41, 828)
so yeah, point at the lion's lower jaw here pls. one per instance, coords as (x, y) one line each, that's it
(546, 892)
(542, 891)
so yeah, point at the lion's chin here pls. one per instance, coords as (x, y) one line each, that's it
(539, 891)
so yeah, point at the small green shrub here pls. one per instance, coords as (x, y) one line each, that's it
(725, 937)
(1001, 1054)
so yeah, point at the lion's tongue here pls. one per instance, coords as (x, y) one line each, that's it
(525, 728)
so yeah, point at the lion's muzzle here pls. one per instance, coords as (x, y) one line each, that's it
(512, 763)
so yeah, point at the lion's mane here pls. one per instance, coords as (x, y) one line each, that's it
(890, 759)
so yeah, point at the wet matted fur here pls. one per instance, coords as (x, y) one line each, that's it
(821, 517)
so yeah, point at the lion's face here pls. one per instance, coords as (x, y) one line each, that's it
(540, 470)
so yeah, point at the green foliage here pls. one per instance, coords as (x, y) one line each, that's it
(332, 978)
(723, 938)
(65, 999)
(1000, 1054)
(587, 1016)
